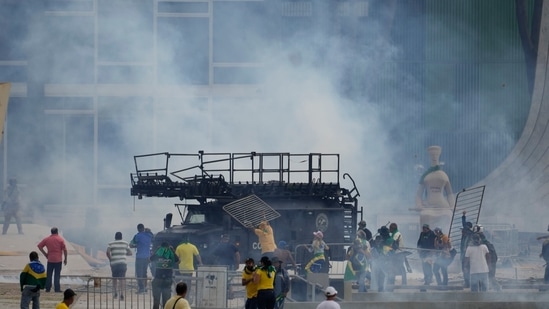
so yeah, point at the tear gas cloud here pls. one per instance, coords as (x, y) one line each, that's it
(301, 105)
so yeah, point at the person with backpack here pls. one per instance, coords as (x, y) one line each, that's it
(443, 259)
(402, 266)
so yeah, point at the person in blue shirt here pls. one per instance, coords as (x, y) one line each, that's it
(142, 244)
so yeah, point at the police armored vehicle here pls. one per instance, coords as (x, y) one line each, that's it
(229, 193)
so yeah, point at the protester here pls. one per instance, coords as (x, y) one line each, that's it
(187, 253)
(330, 302)
(477, 258)
(12, 207)
(545, 256)
(492, 263)
(443, 258)
(265, 234)
(251, 287)
(226, 253)
(178, 301)
(426, 246)
(283, 254)
(165, 261)
(383, 261)
(281, 283)
(68, 299)
(264, 277)
(31, 280)
(362, 227)
(401, 261)
(142, 243)
(318, 262)
(116, 253)
(56, 248)
(358, 266)
(466, 233)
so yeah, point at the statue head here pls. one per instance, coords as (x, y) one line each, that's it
(434, 154)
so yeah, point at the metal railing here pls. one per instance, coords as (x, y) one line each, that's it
(208, 287)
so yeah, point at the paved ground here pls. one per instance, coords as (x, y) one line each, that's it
(14, 250)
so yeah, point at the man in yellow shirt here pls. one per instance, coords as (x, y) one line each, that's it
(251, 287)
(68, 299)
(178, 301)
(187, 252)
(264, 277)
(266, 239)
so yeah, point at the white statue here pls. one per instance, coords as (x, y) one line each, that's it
(434, 197)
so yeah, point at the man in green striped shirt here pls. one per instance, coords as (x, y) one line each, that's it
(117, 252)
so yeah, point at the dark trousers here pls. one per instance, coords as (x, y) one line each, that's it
(465, 271)
(251, 303)
(266, 299)
(162, 291)
(53, 270)
(141, 266)
(8, 214)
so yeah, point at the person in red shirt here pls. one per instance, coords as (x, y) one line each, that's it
(55, 246)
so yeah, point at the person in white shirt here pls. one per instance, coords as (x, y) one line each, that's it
(477, 257)
(330, 302)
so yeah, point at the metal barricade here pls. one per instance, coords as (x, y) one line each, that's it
(208, 287)
(100, 294)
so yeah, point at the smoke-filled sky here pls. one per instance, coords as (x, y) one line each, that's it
(347, 84)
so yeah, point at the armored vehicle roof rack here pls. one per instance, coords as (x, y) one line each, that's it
(230, 176)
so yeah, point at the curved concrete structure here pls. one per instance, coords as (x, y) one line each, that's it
(517, 191)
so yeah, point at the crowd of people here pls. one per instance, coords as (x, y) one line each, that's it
(383, 257)
(371, 258)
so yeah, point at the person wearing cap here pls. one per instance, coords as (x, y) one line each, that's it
(330, 302)
(55, 246)
(362, 227)
(32, 279)
(178, 301)
(443, 259)
(426, 246)
(283, 254)
(264, 277)
(68, 299)
(281, 283)
(477, 258)
(317, 263)
(466, 233)
(251, 287)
